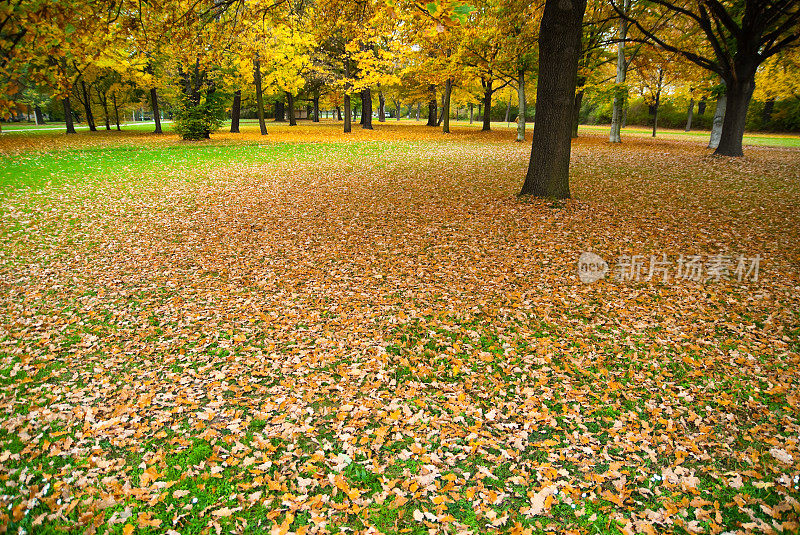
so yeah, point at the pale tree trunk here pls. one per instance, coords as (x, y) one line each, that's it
(522, 106)
(719, 118)
(448, 88)
(689, 115)
(559, 49)
(620, 91)
(259, 97)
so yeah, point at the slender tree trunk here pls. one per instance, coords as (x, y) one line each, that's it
(576, 112)
(236, 111)
(156, 110)
(366, 108)
(559, 49)
(381, 106)
(87, 105)
(316, 106)
(522, 106)
(689, 116)
(347, 126)
(740, 92)
(104, 104)
(448, 89)
(262, 124)
(116, 110)
(68, 115)
(419, 109)
(37, 113)
(620, 90)
(719, 118)
(508, 111)
(290, 108)
(471, 109)
(432, 105)
(655, 114)
(487, 106)
(397, 106)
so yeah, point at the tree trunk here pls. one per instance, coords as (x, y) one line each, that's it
(290, 108)
(262, 124)
(432, 106)
(766, 113)
(381, 106)
(347, 126)
(448, 89)
(68, 115)
(397, 107)
(655, 113)
(719, 118)
(620, 91)
(471, 109)
(338, 113)
(366, 109)
(316, 106)
(487, 106)
(508, 111)
(740, 92)
(559, 49)
(576, 111)
(236, 111)
(156, 110)
(116, 110)
(37, 113)
(701, 107)
(87, 105)
(522, 106)
(689, 115)
(104, 103)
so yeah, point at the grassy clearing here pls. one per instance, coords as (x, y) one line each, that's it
(307, 332)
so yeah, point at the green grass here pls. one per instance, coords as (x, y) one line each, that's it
(753, 138)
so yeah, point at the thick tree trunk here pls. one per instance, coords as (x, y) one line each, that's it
(620, 91)
(68, 115)
(116, 110)
(448, 89)
(487, 106)
(719, 118)
(559, 49)
(37, 113)
(156, 110)
(87, 106)
(432, 105)
(236, 111)
(347, 126)
(366, 109)
(740, 92)
(522, 106)
(381, 106)
(290, 108)
(316, 106)
(262, 124)
(689, 115)
(471, 110)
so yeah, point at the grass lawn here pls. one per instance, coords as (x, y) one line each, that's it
(315, 333)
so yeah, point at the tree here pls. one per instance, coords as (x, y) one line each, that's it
(737, 37)
(620, 90)
(559, 50)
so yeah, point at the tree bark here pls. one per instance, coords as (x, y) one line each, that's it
(290, 108)
(719, 118)
(471, 109)
(366, 109)
(559, 49)
(262, 124)
(236, 111)
(316, 106)
(522, 106)
(37, 113)
(116, 110)
(432, 105)
(381, 106)
(487, 106)
(347, 126)
(576, 112)
(87, 106)
(448, 89)
(156, 110)
(740, 92)
(339, 113)
(68, 115)
(104, 103)
(508, 111)
(620, 91)
(689, 115)
(701, 107)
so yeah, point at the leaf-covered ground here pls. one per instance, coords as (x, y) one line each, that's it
(313, 334)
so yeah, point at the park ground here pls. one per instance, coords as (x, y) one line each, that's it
(307, 332)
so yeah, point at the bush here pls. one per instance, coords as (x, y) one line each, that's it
(194, 121)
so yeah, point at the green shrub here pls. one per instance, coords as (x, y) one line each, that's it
(194, 121)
